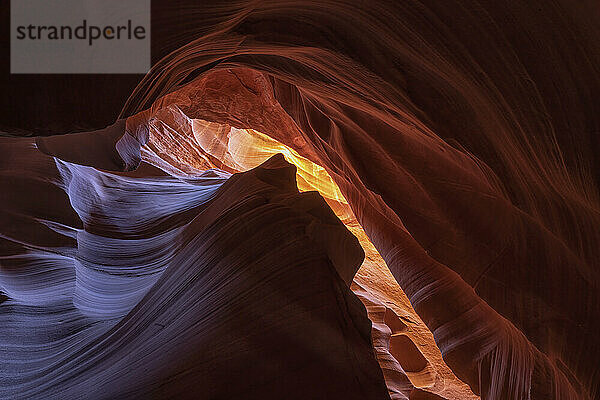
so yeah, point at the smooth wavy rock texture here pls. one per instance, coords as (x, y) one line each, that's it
(186, 288)
(462, 134)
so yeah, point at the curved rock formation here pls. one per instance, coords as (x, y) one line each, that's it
(205, 288)
(462, 134)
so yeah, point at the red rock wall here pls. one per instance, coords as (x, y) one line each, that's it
(465, 137)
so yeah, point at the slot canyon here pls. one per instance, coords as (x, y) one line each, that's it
(311, 200)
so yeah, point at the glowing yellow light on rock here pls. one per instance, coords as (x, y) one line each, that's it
(202, 145)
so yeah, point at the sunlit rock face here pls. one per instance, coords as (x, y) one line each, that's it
(454, 192)
(461, 135)
(399, 335)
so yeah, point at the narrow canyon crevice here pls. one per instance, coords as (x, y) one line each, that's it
(318, 199)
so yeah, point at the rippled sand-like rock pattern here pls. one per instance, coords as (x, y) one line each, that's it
(203, 287)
